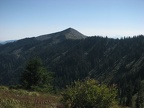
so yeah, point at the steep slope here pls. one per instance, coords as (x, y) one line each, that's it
(70, 58)
(107, 60)
(13, 56)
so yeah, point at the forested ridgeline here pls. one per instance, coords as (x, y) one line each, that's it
(110, 61)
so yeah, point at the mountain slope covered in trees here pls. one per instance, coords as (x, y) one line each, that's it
(73, 56)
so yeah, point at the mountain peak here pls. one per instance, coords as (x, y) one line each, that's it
(68, 33)
(71, 33)
(69, 29)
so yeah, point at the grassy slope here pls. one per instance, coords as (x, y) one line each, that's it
(11, 98)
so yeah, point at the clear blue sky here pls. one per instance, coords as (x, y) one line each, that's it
(114, 18)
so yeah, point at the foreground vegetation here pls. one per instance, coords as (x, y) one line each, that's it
(18, 98)
(89, 94)
(73, 97)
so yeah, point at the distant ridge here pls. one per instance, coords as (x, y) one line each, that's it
(69, 33)
(8, 41)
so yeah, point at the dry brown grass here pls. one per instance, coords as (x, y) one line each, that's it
(24, 99)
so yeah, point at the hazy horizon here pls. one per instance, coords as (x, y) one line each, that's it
(31, 18)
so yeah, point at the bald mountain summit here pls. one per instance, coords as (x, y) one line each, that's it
(69, 33)
(71, 56)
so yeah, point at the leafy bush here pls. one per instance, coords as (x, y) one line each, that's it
(89, 94)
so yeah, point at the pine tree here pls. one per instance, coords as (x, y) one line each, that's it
(35, 75)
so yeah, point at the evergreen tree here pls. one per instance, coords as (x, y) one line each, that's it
(36, 75)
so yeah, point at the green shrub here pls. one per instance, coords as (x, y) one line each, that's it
(89, 94)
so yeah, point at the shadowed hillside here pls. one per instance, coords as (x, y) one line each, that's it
(73, 56)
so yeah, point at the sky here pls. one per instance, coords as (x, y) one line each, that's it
(29, 18)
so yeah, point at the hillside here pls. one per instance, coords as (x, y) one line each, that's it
(68, 52)
(72, 56)
(13, 56)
